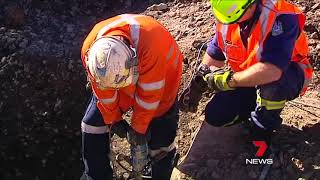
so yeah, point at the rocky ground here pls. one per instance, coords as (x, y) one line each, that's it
(43, 95)
(298, 141)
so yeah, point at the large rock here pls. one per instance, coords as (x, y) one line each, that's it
(158, 7)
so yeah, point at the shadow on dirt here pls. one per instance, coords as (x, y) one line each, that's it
(299, 152)
(221, 153)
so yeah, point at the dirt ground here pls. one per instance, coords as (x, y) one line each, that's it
(40, 136)
(298, 139)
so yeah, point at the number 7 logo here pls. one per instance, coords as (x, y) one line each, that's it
(262, 147)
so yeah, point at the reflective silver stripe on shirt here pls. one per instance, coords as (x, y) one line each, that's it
(170, 52)
(258, 123)
(169, 148)
(176, 60)
(263, 19)
(152, 86)
(271, 3)
(135, 34)
(146, 105)
(94, 129)
(109, 26)
(224, 32)
(134, 27)
(110, 100)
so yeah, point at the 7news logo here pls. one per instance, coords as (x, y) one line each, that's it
(262, 147)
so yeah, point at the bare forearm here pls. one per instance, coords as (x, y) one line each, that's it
(258, 74)
(212, 62)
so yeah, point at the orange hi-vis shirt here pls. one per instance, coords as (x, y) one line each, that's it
(240, 57)
(159, 67)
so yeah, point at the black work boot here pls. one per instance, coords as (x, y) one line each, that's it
(261, 138)
(85, 177)
(162, 169)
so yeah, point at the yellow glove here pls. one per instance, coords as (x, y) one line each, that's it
(218, 80)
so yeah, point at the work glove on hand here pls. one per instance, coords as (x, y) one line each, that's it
(191, 96)
(218, 80)
(120, 128)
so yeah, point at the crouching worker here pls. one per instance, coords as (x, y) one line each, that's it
(132, 62)
(266, 49)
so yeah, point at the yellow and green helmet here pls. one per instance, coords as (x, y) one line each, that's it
(230, 11)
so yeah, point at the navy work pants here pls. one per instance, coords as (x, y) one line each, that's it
(229, 107)
(95, 143)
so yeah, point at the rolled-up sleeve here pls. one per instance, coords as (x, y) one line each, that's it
(280, 42)
(214, 51)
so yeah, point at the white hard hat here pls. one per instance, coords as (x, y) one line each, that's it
(111, 63)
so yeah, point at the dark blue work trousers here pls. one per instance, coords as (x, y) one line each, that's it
(230, 107)
(95, 146)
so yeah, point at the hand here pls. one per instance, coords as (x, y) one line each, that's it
(191, 96)
(218, 80)
(139, 151)
(120, 128)
(135, 138)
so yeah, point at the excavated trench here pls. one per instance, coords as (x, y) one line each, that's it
(43, 95)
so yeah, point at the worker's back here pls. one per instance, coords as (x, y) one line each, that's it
(159, 66)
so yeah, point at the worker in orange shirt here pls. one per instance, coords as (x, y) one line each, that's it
(266, 50)
(132, 62)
